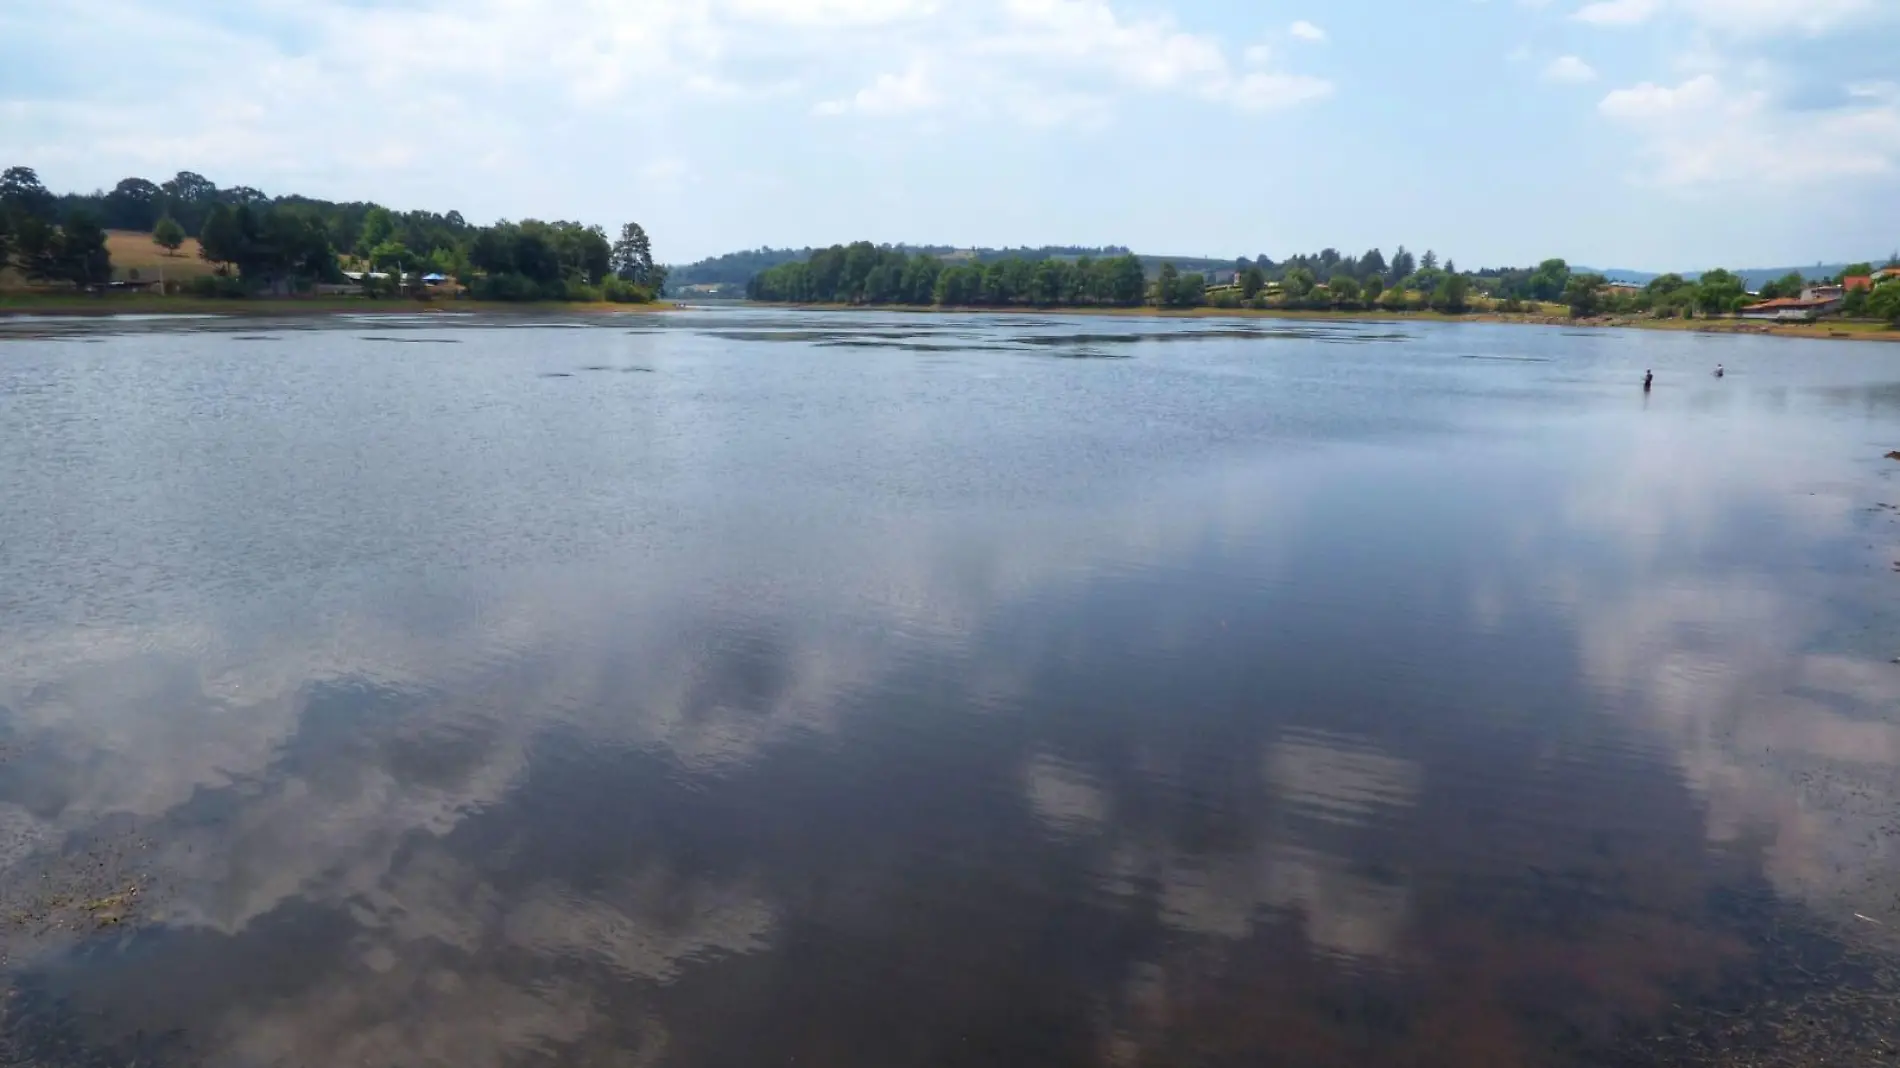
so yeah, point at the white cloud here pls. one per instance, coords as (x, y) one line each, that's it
(835, 12)
(1618, 12)
(1569, 69)
(534, 75)
(1741, 17)
(890, 94)
(1088, 37)
(1045, 62)
(1705, 131)
(1269, 92)
(1776, 16)
(1306, 31)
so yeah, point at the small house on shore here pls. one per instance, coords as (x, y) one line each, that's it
(1814, 302)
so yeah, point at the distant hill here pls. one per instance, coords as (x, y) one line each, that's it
(731, 269)
(1752, 277)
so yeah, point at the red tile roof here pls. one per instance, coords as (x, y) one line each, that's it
(1857, 281)
(1786, 302)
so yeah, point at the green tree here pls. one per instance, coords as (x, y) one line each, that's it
(220, 240)
(36, 248)
(632, 256)
(1375, 288)
(133, 204)
(378, 228)
(583, 252)
(1344, 289)
(1857, 270)
(451, 261)
(1452, 295)
(1855, 303)
(1190, 291)
(1046, 283)
(1252, 281)
(1428, 262)
(1549, 280)
(1584, 294)
(22, 195)
(1884, 302)
(83, 258)
(1788, 285)
(957, 286)
(168, 235)
(1297, 283)
(1403, 264)
(1166, 283)
(1426, 280)
(1670, 295)
(1395, 299)
(1719, 292)
(1124, 282)
(392, 256)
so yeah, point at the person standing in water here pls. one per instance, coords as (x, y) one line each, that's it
(1648, 377)
(1718, 371)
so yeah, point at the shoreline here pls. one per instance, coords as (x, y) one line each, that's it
(20, 304)
(1852, 330)
(77, 304)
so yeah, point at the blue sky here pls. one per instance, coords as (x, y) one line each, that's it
(1633, 133)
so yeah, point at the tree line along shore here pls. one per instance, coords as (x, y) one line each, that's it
(186, 237)
(863, 274)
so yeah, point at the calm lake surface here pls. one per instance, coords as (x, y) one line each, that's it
(769, 688)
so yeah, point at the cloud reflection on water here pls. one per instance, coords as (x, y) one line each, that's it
(539, 815)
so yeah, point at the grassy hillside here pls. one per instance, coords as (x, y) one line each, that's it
(133, 250)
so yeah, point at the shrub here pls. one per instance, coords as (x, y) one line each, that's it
(217, 285)
(620, 291)
(504, 286)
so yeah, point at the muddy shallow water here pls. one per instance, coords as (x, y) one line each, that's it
(880, 690)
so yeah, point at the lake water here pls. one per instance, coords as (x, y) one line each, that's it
(767, 688)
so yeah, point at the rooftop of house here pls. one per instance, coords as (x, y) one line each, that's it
(1857, 281)
(1788, 302)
